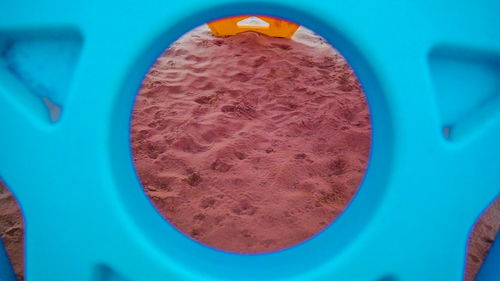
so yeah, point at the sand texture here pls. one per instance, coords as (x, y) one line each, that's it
(12, 230)
(483, 235)
(250, 143)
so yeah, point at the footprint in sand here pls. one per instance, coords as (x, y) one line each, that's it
(220, 166)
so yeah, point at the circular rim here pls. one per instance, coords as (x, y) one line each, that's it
(298, 259)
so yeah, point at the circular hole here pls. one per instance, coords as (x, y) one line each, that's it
(12, 230)
(481, 238)
(250, 143)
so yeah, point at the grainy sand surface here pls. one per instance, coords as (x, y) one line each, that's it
(250, 144)
(12, 230)
(483, 235)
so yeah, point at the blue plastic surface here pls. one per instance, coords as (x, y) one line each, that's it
(431, 73)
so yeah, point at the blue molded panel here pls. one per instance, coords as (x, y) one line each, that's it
(87, 217)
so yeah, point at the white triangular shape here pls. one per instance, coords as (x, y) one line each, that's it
(253, 22)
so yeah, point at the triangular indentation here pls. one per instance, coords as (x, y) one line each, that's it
(467, 88)
(43, 63)
(253, 22)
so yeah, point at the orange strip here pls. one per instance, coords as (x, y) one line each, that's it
(277, 27)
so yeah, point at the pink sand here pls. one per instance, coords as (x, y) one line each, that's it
(250, 143)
